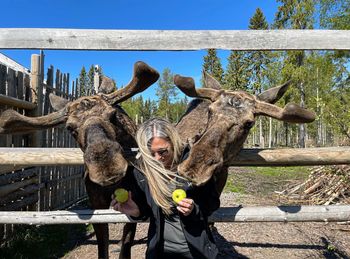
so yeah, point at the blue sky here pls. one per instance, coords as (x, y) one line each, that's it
(129, 14)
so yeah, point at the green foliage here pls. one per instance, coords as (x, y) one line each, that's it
(237, 73)
(295, 14)
(258, 21)
(169, 106)
(83, 82)
(262, 180)
(86, 80)
(258, 60)
(90, 79)
(166, 92)
(335, 14)
(290, 172)
(212, 65)
(337, 112)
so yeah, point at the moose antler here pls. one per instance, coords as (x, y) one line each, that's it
(12, 122)
(264, 102)
(290, 113)
(143, 77)
(187, 86)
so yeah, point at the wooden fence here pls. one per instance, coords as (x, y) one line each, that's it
(25, 187)
(71, 39)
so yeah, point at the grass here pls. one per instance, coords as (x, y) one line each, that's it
(52, 241)
(262, 180)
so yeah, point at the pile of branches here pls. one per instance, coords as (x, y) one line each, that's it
(326, 185)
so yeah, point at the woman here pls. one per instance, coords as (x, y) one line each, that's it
(176, 230)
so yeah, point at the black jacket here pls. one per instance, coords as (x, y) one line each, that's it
(195, 226)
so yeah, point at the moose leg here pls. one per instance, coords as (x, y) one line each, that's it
(127, 240)
(101, 231)
(99, 198)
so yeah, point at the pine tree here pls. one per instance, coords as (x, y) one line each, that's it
(237, 73)
(149, 109)
(212, 65)
(83, 82)
(335, 14)
(259, 61)
(296, 14)
(90, 80)
(166, 92)
(178, 109)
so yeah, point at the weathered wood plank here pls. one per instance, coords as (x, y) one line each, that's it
(6, 189)
(228, 214)
(251, 157)
(14, 102)
(13, 64)
(41, 156)
(4, 169)
(25, 202)
(3, 77)
(87, 39)
(17, 176)
(11, 83)
(19, 194)
(292, 157)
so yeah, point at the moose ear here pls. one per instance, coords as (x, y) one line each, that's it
(210, 82)
(106, 86)
(57, 102)
(272, 95)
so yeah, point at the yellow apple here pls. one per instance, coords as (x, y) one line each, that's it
(178, 195)
(121, 195)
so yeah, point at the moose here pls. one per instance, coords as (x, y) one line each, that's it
(105, 134)
(217, 125)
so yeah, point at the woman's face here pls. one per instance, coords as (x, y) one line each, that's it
(162, 150)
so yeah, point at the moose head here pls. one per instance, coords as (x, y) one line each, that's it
(101, 128)
(231, 114)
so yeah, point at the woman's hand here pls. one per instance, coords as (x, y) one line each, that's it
(129, 207)
(185, 206)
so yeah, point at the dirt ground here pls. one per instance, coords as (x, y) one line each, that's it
(247, 240)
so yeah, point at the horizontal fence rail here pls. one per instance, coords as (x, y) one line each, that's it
(87, 39)
(14, 102)
(15, 157)
(320, 213)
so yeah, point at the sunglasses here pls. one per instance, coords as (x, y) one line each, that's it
(162, 152)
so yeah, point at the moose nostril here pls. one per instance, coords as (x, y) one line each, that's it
(249, 124)
(69, 128)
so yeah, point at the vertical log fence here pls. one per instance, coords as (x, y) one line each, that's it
(36, 188)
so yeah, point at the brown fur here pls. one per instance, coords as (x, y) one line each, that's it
(230, 115)
(104, 132)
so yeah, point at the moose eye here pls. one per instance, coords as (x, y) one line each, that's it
(234, 102)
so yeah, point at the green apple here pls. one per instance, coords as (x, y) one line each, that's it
(178, 195)
(121, 195)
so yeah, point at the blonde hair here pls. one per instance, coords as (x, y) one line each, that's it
(157, 175)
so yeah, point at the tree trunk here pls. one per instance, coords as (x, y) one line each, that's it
(261, 137)
(270, 132)
(302, 126)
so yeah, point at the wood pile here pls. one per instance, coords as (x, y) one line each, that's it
(326, 185)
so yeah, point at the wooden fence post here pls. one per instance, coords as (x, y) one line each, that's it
(96, 79)
(37, 92)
